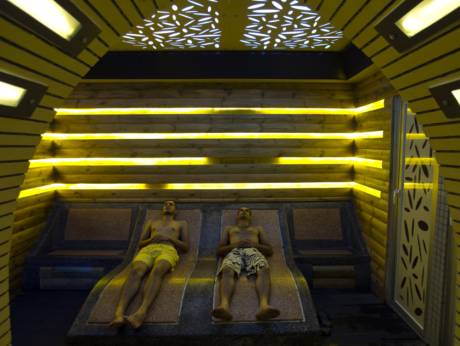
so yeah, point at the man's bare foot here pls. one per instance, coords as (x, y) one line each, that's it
(118, 321)
(222, 313)
(267, 313)
(135, 320)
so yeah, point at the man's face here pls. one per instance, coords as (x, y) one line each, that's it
(244, 213)
(169, 207)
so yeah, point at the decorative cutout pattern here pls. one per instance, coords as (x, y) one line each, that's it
(287, 24)
(192, 26)
(418, 222)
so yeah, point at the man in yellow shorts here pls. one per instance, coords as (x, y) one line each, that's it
(157, 256)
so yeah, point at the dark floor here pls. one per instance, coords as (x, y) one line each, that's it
(44, 317)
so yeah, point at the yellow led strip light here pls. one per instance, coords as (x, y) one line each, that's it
(202, 186)
(418, 186)
(414, 136)
(220, 110)
(419, 160)
(189, 161)
(213, 135)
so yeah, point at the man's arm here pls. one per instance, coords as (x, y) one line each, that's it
(183, 242)
(224, 246)
(264, 245)
(146, 235)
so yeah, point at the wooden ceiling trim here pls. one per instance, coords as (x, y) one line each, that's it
(130, 11)
(112, 15)
(329, 7)
(314, 4)
(23, 58)
(347, 12)
(361, 18)
(108, 34)
(31, 42)
(54, 84)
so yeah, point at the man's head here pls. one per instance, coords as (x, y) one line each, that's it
(169, 208)
(244, 214)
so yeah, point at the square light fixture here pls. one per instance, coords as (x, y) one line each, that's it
(413, 21)
(57, 21)
(19, 97)
(447, 95)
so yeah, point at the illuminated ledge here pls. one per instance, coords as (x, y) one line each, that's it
(213, 135)
(418, 186)
(220, 110)
(202, 186)
(191, 161)
(414, 136)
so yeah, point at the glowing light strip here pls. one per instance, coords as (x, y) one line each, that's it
(120, 161)
(213, 135)
(220, 110)
(414, 136)
(418, 186)
(419, 160)
(202, 186)
(189, 161)
(328, 160)
(456, 94)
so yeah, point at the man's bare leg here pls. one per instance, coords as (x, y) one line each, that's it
(130, 288)
(151, 289)
(227, 285)
(266, 311)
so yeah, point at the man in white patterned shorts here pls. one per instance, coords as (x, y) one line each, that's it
(244, 247)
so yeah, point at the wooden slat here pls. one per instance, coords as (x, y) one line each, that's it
(112, 15)
(35, 44)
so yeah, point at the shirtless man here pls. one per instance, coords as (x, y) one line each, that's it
(244, 247)
(158, 255)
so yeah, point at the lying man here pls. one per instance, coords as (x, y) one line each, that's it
(244, 247)
(157, 256)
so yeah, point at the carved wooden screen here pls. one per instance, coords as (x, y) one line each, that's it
(416, 223)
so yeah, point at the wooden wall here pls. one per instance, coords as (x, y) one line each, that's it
(372, 212)
(411, 73)
(241, 160)
(26, 55)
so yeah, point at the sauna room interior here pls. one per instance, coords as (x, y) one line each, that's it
(335, 122)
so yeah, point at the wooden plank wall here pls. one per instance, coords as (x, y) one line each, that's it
(372, 212)
(26, 55)
(242, 160)
(412, 73)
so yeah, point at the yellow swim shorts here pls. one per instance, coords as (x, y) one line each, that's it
(153, 253)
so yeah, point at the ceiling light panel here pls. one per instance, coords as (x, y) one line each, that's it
(193, 25)
(287, 24)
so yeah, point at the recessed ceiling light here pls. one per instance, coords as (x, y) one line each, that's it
(456, 94)
(426, 13)
(10, 95)
(50, 14)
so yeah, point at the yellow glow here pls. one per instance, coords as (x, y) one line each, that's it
(328, 161)
(213, 135)
(220, 110)
(366, 189)
(120, 161)
(417, 186)
(50, 14)
(456, 94)
(10, 95)
(425, 14)
(202, 186)
(41, 189)
(189, 161)
(414, 136)
(419, 160)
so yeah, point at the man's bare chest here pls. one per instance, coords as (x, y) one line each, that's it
(169, 229)
(250, 233)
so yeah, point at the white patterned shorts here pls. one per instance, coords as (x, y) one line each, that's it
(249, 260)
